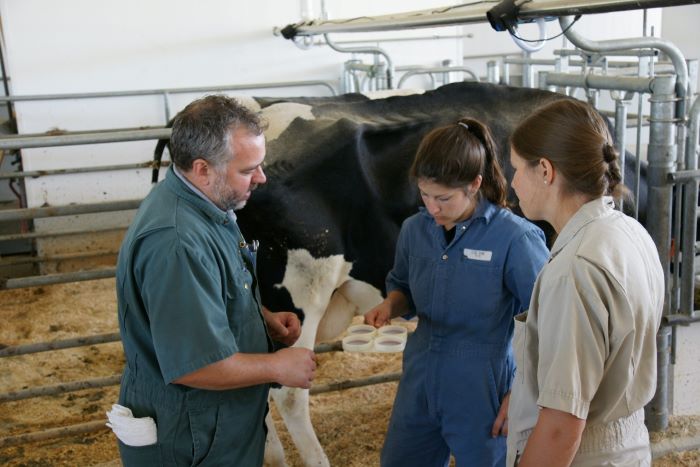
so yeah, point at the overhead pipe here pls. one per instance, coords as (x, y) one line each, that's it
(367, 50)
(153, 92)
(454, 15)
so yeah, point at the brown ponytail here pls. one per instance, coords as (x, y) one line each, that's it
(454, 155)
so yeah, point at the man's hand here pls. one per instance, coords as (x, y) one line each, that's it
(295, 367)
(283, 326)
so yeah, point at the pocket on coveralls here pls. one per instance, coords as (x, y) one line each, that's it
(136, 456)
(204, 427)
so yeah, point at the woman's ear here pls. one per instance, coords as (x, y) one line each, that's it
(547, 170)
(475, 185)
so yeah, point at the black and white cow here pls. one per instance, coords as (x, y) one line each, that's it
(337, 192)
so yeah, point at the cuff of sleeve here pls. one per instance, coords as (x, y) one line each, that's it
(564, 402)
(171, 374)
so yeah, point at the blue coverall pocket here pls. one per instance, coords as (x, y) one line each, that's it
(140, 456)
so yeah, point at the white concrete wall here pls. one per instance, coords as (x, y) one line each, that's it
(686, 371)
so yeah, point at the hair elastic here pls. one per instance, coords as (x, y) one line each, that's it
(464, 125)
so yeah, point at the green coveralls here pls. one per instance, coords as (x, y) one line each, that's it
(187, 297)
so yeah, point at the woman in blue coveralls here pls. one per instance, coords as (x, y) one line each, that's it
(465, 265)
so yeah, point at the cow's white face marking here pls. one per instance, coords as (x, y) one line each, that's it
(279, 116)
(311, 281)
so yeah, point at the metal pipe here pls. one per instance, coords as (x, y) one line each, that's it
(155, 92)
(636, 84)
(611, 53)
(662, 158)
(492, 72)
(71, 430)
(13, 261)
(621, 130)
(33, 235)
(47, 279)
(59, 344)
(439, 69)
(355, 383)
(19, 142)
(690, 211)
(68, 210)
(100, 425)
(60, 388)
(673, 52)
(78, 170)
(463, 14)
(656, 412)
(368, 50)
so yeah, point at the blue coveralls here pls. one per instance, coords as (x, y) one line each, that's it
(458, 365)
(187, 298)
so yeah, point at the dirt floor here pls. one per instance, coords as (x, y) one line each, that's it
(350, 424)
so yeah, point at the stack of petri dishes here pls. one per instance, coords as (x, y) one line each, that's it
(366, 338)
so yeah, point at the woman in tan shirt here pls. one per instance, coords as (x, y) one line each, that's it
(586, 349)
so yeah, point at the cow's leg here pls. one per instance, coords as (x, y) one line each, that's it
(274, 452)
(293, 403)
(352, 298)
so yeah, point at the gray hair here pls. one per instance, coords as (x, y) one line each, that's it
(202, 130)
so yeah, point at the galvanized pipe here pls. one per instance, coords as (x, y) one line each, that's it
(673, 52)
(656, 412)
(662, 158)
(13, 261)
(60, 388)
(64, 431)
(628, 83)
(68, 210)
(59, 344)
(33, 235)
(368, 50)
(690, 211)
(69, 139)
(100, 425)
(48, 279)
(165, 91)
(78, 170)
(454, 15)
(440, 69)
(621, 131)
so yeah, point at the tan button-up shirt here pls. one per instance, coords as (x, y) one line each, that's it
(587, 346)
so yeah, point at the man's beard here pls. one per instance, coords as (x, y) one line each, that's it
(226, 197)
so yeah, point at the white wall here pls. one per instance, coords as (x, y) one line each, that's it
(88, 45)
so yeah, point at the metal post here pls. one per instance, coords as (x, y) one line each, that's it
(662, 159)
(690, 209)
(492, 72)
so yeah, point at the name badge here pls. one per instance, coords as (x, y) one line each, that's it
(478, 255)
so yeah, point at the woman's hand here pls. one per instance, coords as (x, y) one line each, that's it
(379, 315)
(500, 425)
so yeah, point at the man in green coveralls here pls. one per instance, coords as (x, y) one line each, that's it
(196, 338)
